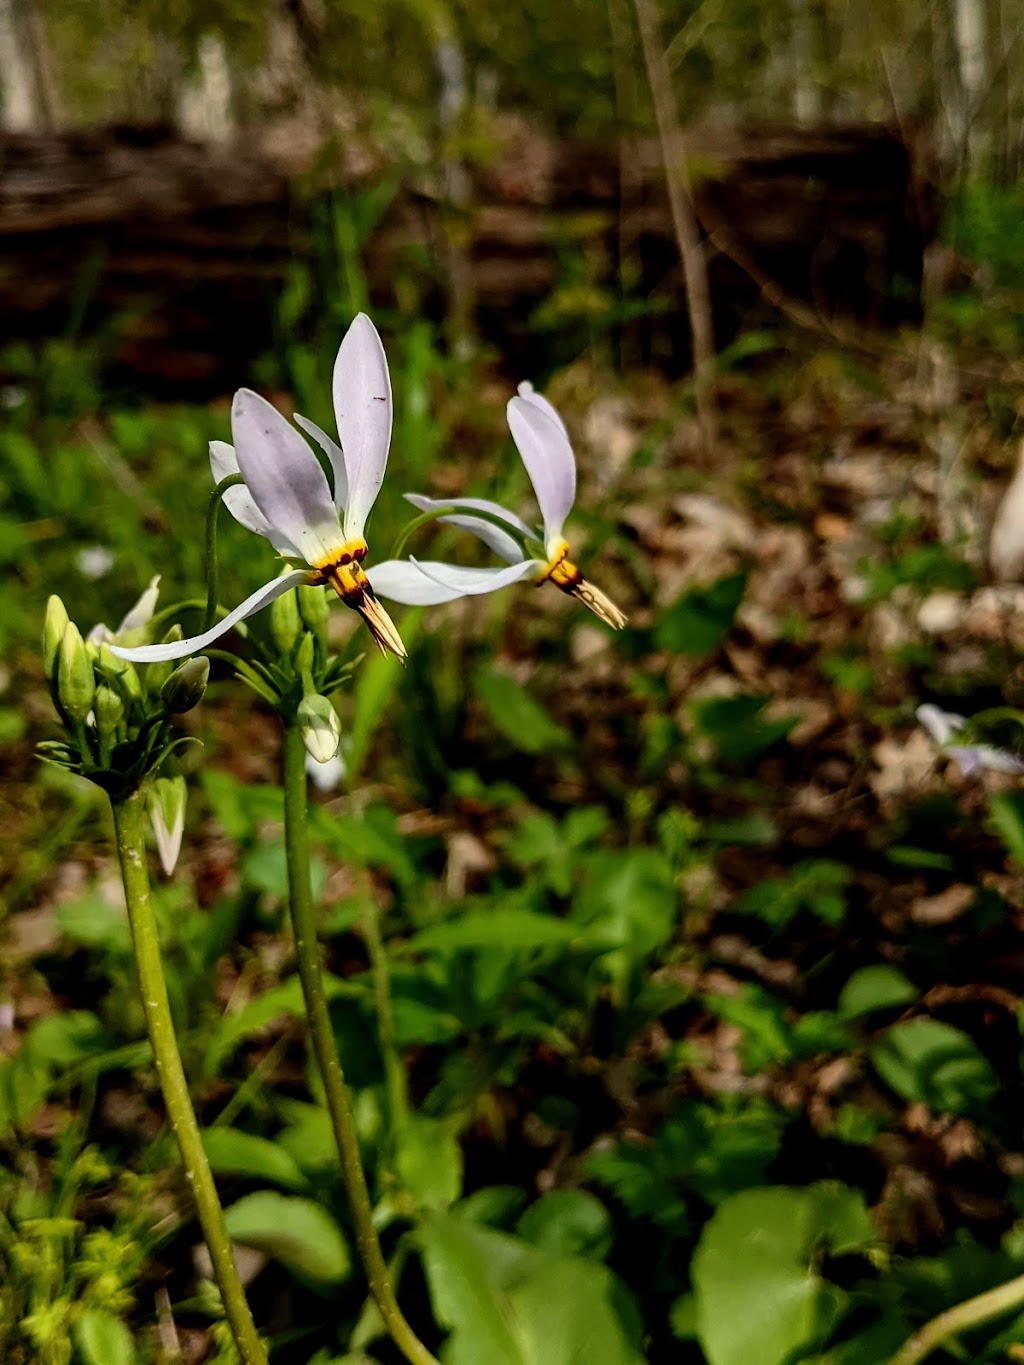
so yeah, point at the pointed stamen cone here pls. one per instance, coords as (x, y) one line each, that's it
(380, 624)
(600, 604)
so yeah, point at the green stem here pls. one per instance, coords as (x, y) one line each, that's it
(213, 507)
(995, 1303)
(131, 848)
(329, 1064)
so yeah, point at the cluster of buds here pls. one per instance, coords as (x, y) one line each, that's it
(303, 675)
(118, 719)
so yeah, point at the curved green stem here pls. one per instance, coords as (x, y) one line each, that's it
(212, 508)
(329, 1064)
(394, 1071)
(994, 1303)
(131, 849)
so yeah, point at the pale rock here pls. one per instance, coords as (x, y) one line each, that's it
(941, 612)
(1006, 542)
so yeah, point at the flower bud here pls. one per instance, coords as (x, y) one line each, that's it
(304, 656)
(314, 610)
(119, 673)
(54, 627)
(108, 708)
(285, 623)
(76, 685)
(320, 727)
(159, 671)
(167, 796)
(185, 687)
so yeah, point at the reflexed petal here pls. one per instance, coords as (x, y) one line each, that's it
(399, 581)
(527, 392)
(238, 500)
(333, 452)
(142, 613)
(492, 536)
(362, 407)
(547, 455)
(179, 649)
(472, 505)
(284, 477)
(463, 582)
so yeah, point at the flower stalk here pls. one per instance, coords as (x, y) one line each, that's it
(129, 818)
(325, 1051)
(994, 1303)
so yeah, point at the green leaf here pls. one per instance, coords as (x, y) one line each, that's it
(94, 922)
(927, 1061)
(878, 987)
(102, 1339)
(376, 684)
(516, 715)
(1007, 812)
(64, 1039)
(512, 930)
(699, 620)
(736, 727)
(759, 1296)
(815, 885)
(508, 1303)
(568, 1223)
(234, 1152)
(429, 1162)
(297, 1232)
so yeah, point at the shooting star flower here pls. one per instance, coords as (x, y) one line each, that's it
(944, 728)
(286, 497)
(543, 445)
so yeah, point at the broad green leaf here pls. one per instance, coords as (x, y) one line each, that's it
(95, 922)
(64, 1039)
(878, 987)
(759, 1295)
(376, 683)
(927, 1061)
(103, 1339)
(737, 728)
(429, 1162)
(508, 1303)
(700, 620)
(234, 1152)
(568, 1223)
(299, 1233)
(515, 713)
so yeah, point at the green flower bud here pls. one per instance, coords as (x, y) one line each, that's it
(54, 627)
(167, 797)
(314, 610)
(285, 623)
(185, 687)
(304, 656)
(320, 727)
(120, 674)
(157, 673)
(108, 708)
(76, 685)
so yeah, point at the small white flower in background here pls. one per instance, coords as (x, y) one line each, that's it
(134, 622)
(286, 497)
(944, 728)
(167, 797)
(326, 777)
(543, 445)
(94, 561)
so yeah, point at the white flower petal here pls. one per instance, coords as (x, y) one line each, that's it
(362, 407)
(463, 582)
(238, 500)
(492, 536)
(179, 649)
(997, 760)
(284, 477)
(941, 725)
(527, 391)
(399, 581)
(547, 455)
(333, 452)
(472, 505)
(142, 613)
